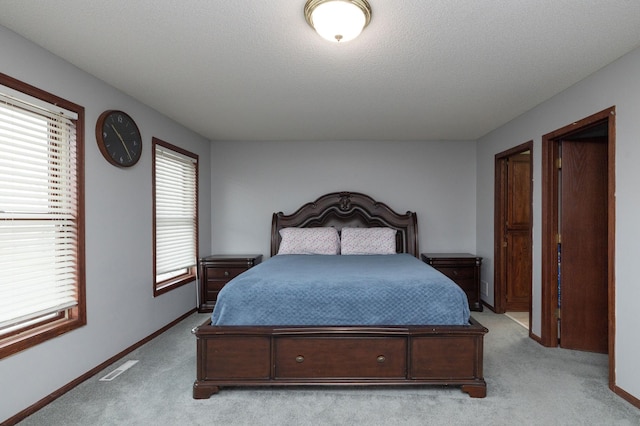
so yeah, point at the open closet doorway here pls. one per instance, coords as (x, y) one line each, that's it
(512, 239)
(578, 235)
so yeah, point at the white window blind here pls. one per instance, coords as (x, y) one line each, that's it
(38, 211)
(175, 212)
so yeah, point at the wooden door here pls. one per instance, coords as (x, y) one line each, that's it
(583, 240)
(512, 229)
(517, 233)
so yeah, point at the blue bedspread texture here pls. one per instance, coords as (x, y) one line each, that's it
(353, 290)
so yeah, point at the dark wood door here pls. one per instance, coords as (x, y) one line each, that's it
(517, 233)
(583, 230)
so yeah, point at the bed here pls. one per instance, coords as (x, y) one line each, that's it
(293, 350)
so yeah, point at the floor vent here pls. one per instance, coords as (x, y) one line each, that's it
(118, 371)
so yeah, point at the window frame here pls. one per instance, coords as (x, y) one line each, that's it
(190, 274)
(68, 319)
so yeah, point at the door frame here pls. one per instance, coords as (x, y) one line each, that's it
(549, 329)
(499, 270)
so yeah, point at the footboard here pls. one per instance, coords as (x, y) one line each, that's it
(269, 356)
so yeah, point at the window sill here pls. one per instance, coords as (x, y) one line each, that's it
(15, 343)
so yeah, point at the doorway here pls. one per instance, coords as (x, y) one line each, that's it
(578, 235)
(513, 226)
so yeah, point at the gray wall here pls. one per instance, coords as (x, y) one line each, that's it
(252, 180)
(121, 309)
(616, 84)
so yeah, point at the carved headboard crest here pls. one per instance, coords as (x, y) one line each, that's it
(345, 201)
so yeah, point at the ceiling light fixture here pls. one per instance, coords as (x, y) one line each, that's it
(338, 20)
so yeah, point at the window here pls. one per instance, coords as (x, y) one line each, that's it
(42, 282)
(175, 216)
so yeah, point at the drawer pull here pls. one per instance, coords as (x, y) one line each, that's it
(455, 273)
(381, 359)
(226, 273)
(299, 359)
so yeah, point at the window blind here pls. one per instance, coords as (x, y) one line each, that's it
(38, 211)
(175, 204)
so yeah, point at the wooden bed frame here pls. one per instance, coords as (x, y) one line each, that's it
(366, 355)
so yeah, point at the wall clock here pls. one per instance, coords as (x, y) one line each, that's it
(118, 138)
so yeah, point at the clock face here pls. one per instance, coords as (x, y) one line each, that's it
(118, 138)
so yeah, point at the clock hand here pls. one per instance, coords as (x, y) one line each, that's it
(121, 140)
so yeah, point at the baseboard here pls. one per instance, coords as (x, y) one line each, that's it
(66, 388)
(491, 308)
(627, 396)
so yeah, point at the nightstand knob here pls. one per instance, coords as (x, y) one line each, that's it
(226, 273)
(299, 359)
(381, 359)
(455, 273)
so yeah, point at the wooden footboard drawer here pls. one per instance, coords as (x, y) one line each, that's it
(326, 357)
(444, 358)
(232, 357)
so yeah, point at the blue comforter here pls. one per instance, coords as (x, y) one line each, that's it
(341, 290)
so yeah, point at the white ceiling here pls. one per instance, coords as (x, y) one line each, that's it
(254, 69)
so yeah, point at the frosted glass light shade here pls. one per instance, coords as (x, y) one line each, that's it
(338, 20)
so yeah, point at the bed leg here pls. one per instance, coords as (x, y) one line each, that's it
(475, 391)
(203, 390)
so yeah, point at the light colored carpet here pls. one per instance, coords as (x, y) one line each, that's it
(527, 385)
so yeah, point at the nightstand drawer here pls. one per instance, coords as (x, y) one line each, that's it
(468, 285)
(212, 294)
(223, 273)
(458, 274)
(215, 285)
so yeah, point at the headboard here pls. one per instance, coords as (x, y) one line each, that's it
(342, 209)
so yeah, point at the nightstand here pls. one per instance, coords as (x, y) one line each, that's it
(217, 270)
(463, 269)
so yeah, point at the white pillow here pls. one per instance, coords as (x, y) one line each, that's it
(368, 241)
(309, 241)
